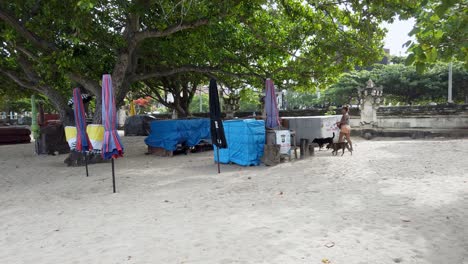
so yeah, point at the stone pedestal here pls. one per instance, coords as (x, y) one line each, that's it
(369, 102)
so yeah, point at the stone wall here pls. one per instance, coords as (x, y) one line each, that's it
(426, 110)
(394, 117)
(435, 117)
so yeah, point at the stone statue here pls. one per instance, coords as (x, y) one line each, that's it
(369, 102)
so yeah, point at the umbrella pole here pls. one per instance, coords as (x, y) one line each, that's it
(86, 163)
(217, 153)
(113, 176)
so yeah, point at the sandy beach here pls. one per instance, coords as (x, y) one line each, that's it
(395, 201)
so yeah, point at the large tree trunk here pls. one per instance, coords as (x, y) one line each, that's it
(126, 62)
(121, 93)
(119, 82)
(181, 92)
(67, 117)
(61, 105)
(97, 117)
(182, 111)
(181, 104)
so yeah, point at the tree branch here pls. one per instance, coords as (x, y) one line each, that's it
(18, 80)
(139, 36)
(88, 84)
(28, 70)
(24, 51)
(189, 68)
(33, 84)
(159, 98)
(193, 90)
(20, 28)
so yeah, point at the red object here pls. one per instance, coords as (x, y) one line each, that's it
(14, 135)
(48, 118)
(142, 101)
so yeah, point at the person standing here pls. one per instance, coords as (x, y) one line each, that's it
(345, 128)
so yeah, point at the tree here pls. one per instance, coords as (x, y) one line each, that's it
(344, 91)
(441, 33)
(52, 46)
(300, 100)
(81, 40)
(10, 93)
(195, 104)
(403, 83)
(438, 75)
(249, 100)
(180, 88)
(397, 59)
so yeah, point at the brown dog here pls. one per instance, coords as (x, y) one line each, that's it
(338, 146)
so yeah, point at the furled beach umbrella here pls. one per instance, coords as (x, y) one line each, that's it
(216, 125)
(34, 126)
(112, 148)
(83, 144)
(271, 105)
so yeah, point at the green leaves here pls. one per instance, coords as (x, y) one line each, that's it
(85, 5)
(432, 55)
(420, 66)
(404, 84)
(408, 43)
(441, 33)
(438, 34)
(442, 9)
(434, 18)
(300, 44)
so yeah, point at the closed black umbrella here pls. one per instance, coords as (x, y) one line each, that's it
(216, 125)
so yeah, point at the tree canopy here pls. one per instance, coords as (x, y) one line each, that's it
(52, 46)
(441, 33)
(403, 84)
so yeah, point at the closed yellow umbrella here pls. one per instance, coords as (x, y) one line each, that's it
(132, 111)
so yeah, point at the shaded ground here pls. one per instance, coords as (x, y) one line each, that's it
(391, 202)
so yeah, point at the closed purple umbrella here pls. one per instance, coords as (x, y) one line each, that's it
(271, 105)
(83, 143)
(112, 148)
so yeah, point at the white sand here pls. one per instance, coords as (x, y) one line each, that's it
(391, 202)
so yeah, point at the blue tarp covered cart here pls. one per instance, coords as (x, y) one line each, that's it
(245, 140)
(168, 134)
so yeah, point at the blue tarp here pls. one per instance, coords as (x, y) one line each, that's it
(168, 133)
(245, 140)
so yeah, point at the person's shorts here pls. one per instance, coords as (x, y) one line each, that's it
(345, 129)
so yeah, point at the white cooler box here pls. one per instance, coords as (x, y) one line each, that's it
(311, 127)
